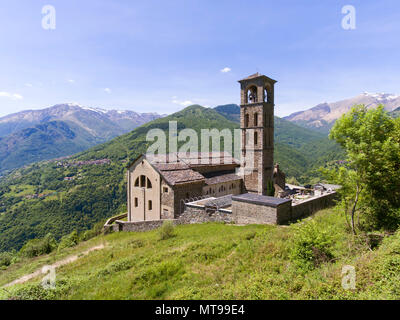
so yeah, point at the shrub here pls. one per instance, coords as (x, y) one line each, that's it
(311, 246)
(69, 241)
(6, 258)
(167, 230)
(37, 247)
(94, 232)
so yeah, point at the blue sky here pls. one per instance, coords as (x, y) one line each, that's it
(158, 56)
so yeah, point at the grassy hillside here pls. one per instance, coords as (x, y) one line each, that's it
(219, 261)
(39, 199)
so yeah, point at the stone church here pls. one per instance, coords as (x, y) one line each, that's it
(160, 190)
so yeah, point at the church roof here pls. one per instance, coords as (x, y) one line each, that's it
(181, 176)
(222, 178)
(257, 75)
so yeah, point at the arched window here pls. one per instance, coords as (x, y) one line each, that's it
(252, 94)
(149, 186)
(137, 182)
(136, 202)
(255, 138)
(150, 205)
(246, 120)
(256, 119)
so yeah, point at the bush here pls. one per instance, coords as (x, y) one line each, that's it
(311, 246)
(37, 247)
(6, 258)
(69, 241)
(94, 232)
(167, 230)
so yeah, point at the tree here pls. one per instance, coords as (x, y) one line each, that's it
(371, 175)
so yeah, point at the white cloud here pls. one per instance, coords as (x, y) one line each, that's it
(225, 70)
(71, 80)
(13, 96)
(183, 103)
(108, 90)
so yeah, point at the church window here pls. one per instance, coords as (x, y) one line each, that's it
(246, 120)
(137, 182)
(136, 202)
(256, 119)
(149, 185)
(150, 205)
(255, 138)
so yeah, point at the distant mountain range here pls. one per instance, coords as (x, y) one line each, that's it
(61, 130)
(323, 116)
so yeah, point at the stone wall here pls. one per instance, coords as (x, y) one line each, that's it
(139, 226)
(197, 214)
(249, 213)
(312, 205)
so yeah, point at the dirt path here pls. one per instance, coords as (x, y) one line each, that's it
(54, 265)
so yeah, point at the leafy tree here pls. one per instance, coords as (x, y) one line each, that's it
(370, 176)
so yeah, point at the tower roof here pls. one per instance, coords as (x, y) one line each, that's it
(257, 75)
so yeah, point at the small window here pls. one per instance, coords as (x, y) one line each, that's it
(256, 119)
(246, 120)
(149, 185)
(137, 182)
(255, 138)
(165, 189)
(150, 205)
(136, 202)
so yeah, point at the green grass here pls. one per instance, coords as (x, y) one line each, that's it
(218, 261)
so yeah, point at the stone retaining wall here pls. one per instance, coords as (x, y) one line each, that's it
(140, 226)
(197, 214)
(310, 206)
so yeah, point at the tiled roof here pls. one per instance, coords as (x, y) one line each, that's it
(222, 178)
(181, 176)
(180, 167)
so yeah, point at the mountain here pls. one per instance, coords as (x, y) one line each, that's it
(322, 117)
(98, 122)
(229, 111)
(395, 113)
(75, 193)
(61, 130)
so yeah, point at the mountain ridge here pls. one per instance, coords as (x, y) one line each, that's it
(322, 116)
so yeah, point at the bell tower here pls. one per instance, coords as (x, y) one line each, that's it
(257, 132)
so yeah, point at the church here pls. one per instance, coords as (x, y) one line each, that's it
(161, 190)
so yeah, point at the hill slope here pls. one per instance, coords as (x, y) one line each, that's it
(323, 116)
(215, 261)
